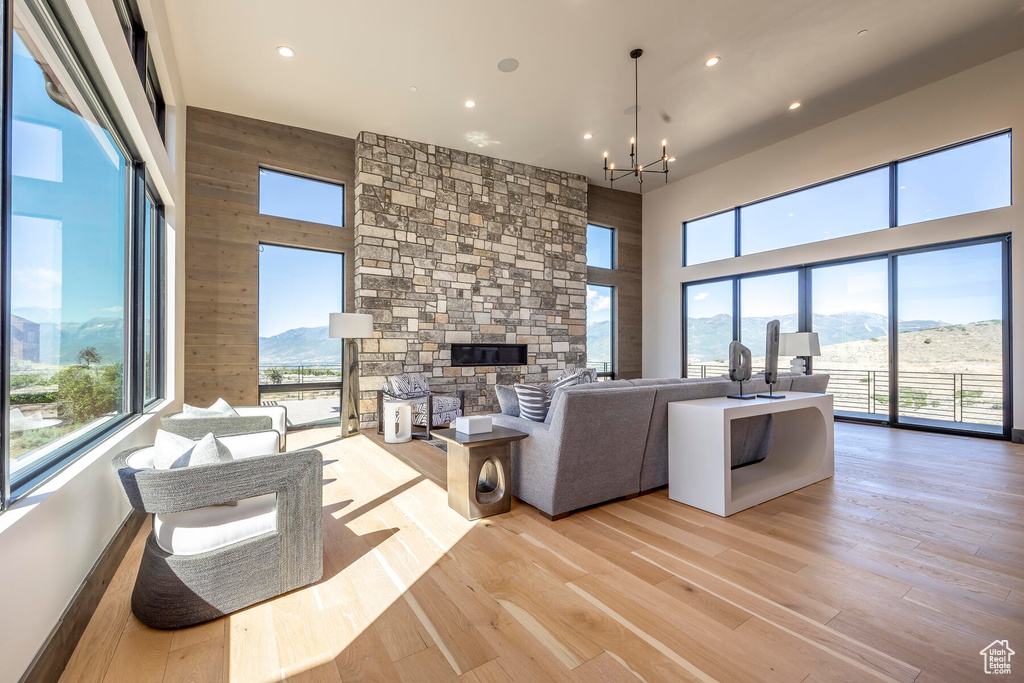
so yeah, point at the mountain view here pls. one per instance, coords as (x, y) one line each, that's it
(300, 346)
(59, 343)
(599, 342)
(705, 340)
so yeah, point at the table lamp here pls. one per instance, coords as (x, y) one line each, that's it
(348, 327)
(802, 345)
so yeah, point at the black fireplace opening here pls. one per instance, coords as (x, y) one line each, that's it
(468, 355)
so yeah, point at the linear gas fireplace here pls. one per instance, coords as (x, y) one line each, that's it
(467, 355)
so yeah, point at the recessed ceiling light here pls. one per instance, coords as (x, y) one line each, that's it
(508, 65)
(413, 88)
(795, 105)
(587, 136)
(862, 32)
(671, 158)
(285, 51)
(711, 61)
(470, 104)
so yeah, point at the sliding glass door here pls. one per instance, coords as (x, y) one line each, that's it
(950, 343)
(850, 312)
(915, 338)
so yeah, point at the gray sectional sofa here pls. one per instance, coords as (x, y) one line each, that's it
(609, 440)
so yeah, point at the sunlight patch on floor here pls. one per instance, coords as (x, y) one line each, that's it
(376, 545)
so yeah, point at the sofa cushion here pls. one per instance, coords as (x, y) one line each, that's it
(507, 400)
(199, 531)
(534, 401)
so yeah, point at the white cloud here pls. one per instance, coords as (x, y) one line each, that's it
(597, 302)
(701, 296)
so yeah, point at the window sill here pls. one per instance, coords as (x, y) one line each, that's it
(136, 432)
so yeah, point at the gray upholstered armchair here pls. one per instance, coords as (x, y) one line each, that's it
(207, 557)
(249, 419)
(429, 409)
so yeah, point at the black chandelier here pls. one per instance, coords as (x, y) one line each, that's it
(611, 174)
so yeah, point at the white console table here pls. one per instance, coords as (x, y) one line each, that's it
(700, 470)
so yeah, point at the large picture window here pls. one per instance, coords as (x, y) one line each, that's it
(77, 267)
(68, 250)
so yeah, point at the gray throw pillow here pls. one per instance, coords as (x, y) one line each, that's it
(534, 401)
(507, 400)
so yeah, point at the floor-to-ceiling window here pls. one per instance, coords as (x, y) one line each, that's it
(299, 364)
(849, 304)
(950, 342)
(601, 303)
(76, 336)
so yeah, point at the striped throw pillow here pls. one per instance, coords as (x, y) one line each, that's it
(534, 401)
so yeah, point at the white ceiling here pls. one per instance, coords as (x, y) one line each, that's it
(355, 62)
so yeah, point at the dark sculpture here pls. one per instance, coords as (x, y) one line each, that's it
(739, 368)
(771, 359)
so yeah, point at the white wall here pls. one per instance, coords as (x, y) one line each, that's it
(981, 100)
(50, 540)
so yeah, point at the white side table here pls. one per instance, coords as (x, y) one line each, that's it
(700, 470)
(397, 421)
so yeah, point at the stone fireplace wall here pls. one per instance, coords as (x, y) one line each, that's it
(452, 246)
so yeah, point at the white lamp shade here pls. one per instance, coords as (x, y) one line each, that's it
(799, 344)
(351, 326)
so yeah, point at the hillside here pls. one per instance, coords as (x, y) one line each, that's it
(976, 347)
(302, 345)
(708, 339)
(599, 343)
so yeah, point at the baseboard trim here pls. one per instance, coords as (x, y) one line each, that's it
(51, 659)
(1017, 435)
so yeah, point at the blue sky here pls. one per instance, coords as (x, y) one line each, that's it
(956, 181)
(957, 286)
(600, 247)
(303, 199)
(599, 304)
(298, 288)
(68, 224)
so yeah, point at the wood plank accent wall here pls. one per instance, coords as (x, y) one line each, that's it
(624, 212)
(223, 230)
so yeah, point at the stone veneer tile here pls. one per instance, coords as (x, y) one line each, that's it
(453, 247)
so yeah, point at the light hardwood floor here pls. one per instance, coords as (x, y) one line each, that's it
(903, 567)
